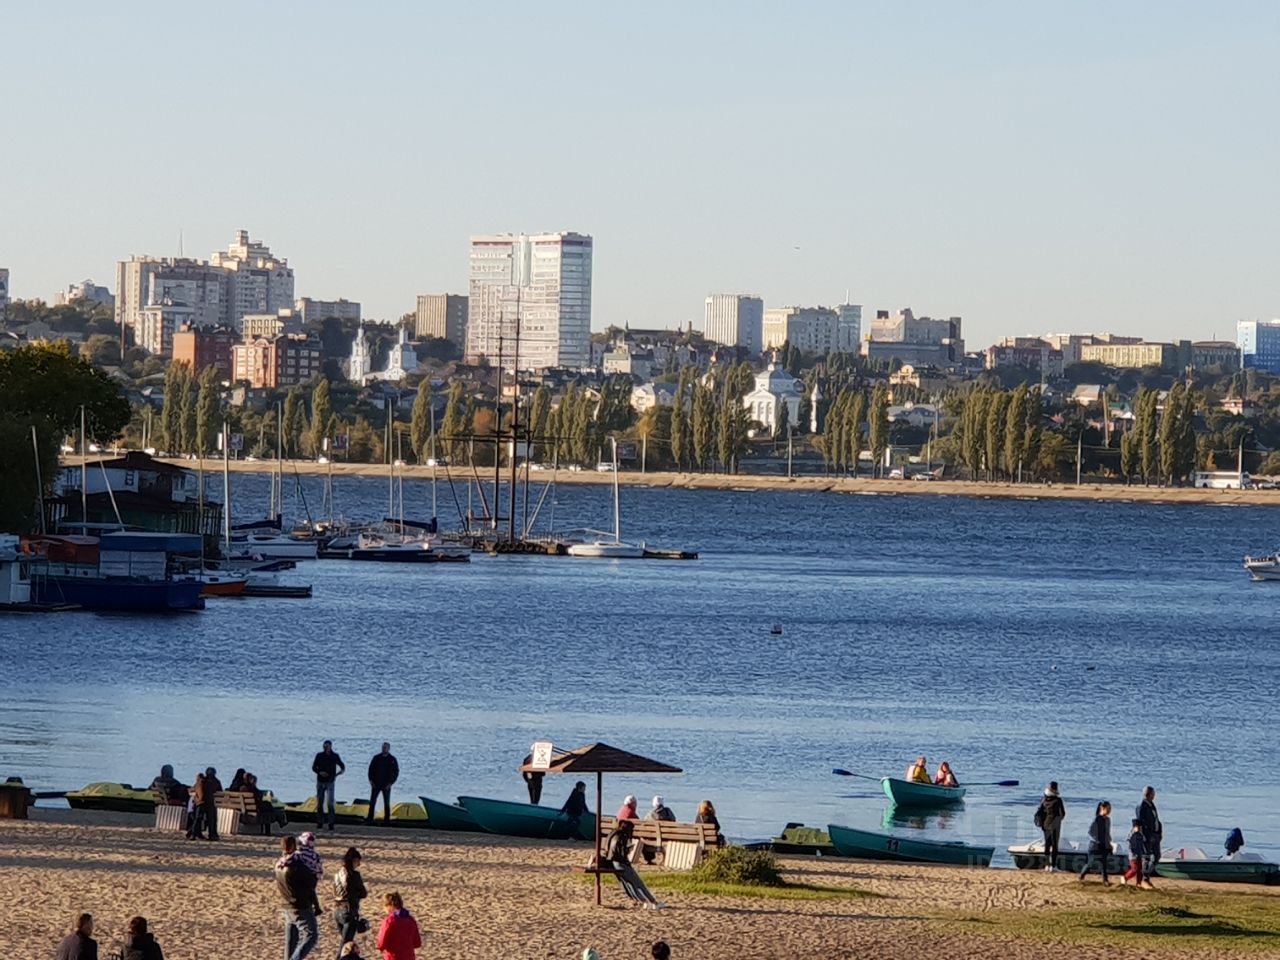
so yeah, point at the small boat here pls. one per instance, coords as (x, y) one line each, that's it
(354, 813)
(1192, 863)
(397, 549)
(272, 546)
(606, 546)
(449, 816)
(1071, 856)
(1263, 568)
(222, 584)
(512, 819)
(906, 793)
(117, 571)
(868, 845)
(117, 797)
(797, 840)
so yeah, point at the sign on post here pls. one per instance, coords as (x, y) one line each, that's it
(541, 751)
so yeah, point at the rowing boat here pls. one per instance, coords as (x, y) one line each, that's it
(1071, 856)
(868, 845)
(512, 819)
(449, 816)
(1192, 863)
(908, 793)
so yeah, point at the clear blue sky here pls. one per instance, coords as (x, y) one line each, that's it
(1031, 167)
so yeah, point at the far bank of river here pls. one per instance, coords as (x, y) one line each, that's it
(1114, 492)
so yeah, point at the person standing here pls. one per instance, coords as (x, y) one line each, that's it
(399, 937)
(384, 771)
(297, 887)
(1049, 817)
(212, 787)
(1137, 854)
(532, 780)
(79, 943)
(327, 766)
(195, 809)
(141, 945)
(349, 890)
(1152, 833)
(1099, 841)
(576, 806)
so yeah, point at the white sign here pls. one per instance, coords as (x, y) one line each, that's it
(541, 751)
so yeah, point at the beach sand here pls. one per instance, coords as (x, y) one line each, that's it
(482, 897)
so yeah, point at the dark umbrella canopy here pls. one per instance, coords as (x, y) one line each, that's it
(600, 758)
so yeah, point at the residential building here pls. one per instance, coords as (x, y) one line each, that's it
(283, 361)
(309, 310)
(809, 329)
(210, 347)
(87, 290)
(1128, 354)
(1031, 353)
(646, 396)
(848, 327)
(157, 323)
(442, 316)
(939, 355)
(537, 284)
(628, 359)
(1238, 407)
(1259, 343)
(920, 341)
(4, 293)
(774, 387)
(1222, 354)
(254, 325)
(734, 320)
(913, 414)
(257, 281)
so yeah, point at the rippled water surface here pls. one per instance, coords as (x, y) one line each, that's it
(1103, 645)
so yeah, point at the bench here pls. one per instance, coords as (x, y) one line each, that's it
(683, 845)
(169, 815)
(240, 808)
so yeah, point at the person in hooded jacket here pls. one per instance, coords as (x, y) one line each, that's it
(296, 885)
(1049, 818)
(166, 785)
(399, 937)
(660, 812)
(348, 891)
(1099, 841)
(196, 810)
(141, 945)
(212, 787)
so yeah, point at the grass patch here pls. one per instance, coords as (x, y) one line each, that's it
(1234, 922)
(686, 883)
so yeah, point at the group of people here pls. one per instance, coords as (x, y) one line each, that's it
(918, 772)
(200, 800)
(79, 944)
(1146, 833)
(383, 772)
(298, 874)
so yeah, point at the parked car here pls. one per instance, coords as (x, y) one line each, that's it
(606, 467)
(895, 473)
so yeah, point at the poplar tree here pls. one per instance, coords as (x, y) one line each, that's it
(878, 425)
(419, 420)
(186, 412)
(321, 413)
(1015, 430)
(208, 419)
(680, 423)
(1169, 431)
(453, 420)
(539, 413)
(997, 406)
(855, 413)
(702, 425)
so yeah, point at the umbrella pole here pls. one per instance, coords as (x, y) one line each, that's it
(599, 809)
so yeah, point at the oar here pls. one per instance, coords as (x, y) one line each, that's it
(994, 783)
(861, 776)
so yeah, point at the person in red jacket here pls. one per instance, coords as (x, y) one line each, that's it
(398, 937)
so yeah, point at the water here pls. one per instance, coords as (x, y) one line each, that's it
(1106, 646)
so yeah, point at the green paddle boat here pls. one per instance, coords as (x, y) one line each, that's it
(797, 840)
(868, 845)
(906, 793)
(118, 797)
(512, 819)
(449, 816)
(1192, 863)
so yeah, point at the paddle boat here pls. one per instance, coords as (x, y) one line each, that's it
(798, 840)
(1071, 856)
(906, 793)
(449, 816)
(411, 815)
(868, 845)
(512, 819)
(116, 797)
(1192, 863)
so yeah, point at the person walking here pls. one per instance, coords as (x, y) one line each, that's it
(79, 943)
(141, 945)
(297, 887)
(1137, 854)
(576, 806)
(1049, 817)
(1152, 832)
(384, 771)
(532, 781)
(1099, 841)
(399, 937)
(212, 787)
(327, 766)
(349, 890)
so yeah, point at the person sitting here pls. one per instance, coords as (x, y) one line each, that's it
(173, 792)
(237, 782)
(79, 943)
(707, 814)
(628, 809)
(945, 777)
(661, 812)
(1235, 841)
(141, 945)
(617, 849)
(918, 772)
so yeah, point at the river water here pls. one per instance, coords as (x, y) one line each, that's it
(1103, 645)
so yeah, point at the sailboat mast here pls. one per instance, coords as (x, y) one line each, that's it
(617, 510)
(277, 504)
(515, 428)
(497, 437)
(431, 409)
(35, 458)
(391, 468)
(226, 491)
(84, 475)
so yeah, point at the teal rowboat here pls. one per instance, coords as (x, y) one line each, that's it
(527, 820)
(868, 845)
(449, 816)
(905, 793)
(1241, 868)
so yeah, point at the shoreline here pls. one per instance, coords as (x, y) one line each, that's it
(747, 483)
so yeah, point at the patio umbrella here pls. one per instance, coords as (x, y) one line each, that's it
(600, 758)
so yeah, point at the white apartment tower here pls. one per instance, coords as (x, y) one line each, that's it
(735, 320)
(542, 279)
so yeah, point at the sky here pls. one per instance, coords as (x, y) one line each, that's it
(1031, 167)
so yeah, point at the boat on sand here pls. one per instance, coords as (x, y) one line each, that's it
(869, 845)
(1071, 856)
(1192, 863)
(449, 816)
(527, 820)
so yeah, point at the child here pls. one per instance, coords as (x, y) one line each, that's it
(1137, 853)
(1099, 841)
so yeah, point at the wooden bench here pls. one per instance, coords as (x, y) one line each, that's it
(170, 816)
(683, 845)
(237, 809)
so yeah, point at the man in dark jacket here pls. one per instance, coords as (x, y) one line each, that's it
(169, 787)
(141, 945)
(327, 766)
(1152, 829)
(212, 787)
(79, 943)
(384, 771)
(296, 884)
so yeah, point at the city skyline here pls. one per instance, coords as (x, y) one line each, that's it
(1027, 170)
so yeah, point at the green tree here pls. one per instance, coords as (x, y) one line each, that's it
(703, 425)
(1129, 455)
(1185, 438)
(169, 428)
(878, 425)
(419, 421)
(186, 411)
(997, 407)
(1147, 427)
(321, 410)
(208, 412)
(855, 414)
(1169, 431)
(453, 426)
(783, 421)
(539, 413)
(294, 422)
(1016, 430)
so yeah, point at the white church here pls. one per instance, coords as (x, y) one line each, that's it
(401, 362)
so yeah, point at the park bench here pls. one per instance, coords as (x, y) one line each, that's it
(170, 815)
(683, 845)
(238, 809)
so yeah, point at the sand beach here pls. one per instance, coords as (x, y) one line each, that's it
(493, 897)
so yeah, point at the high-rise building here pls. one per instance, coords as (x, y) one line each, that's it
(257, 281)
(810, 329)
(308, 309)
(1259, 342)
(848, 327)
(734, 320)
(443, 316)
(539, 284)
(157, 323)
(4, 292)
(86, 290)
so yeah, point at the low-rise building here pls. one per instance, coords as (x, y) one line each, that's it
(1222, 354)
(775, 387)
(287, 360)
(308, 309)
(205, 348)
(1030, 353)
(646, 396)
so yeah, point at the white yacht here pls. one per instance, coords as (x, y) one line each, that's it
(1263, 568)
(604, 547)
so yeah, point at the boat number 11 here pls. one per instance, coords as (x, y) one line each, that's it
(891, 845)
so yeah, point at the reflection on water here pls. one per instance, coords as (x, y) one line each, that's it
(914, 818)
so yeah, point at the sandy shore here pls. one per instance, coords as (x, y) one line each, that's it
(482, 897)
(1113, 492)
